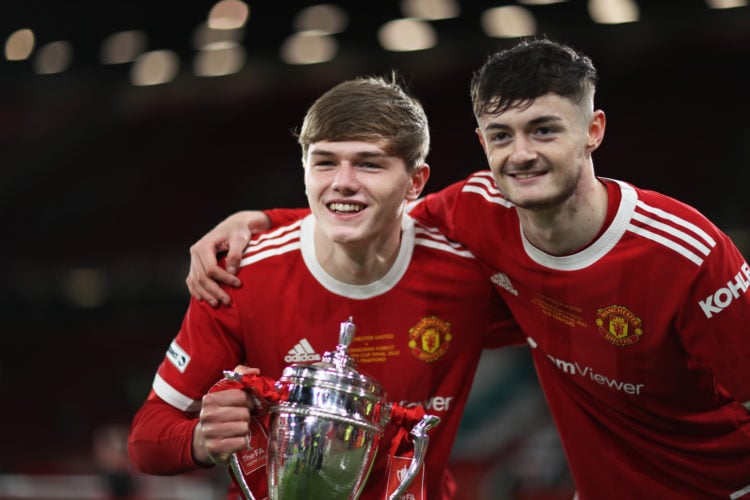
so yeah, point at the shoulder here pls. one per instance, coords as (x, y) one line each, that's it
(481, 187)
(478, 187)
(272, 243)
(430, 237)
(660, 207)
(447, 266)
(671, 223)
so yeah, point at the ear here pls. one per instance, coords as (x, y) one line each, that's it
(478, 131)
(596, 131)
(418, 181)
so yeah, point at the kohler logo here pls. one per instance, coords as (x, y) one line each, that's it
(724, 296)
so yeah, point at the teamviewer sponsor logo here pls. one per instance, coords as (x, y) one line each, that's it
(576, 369)
(301, 353)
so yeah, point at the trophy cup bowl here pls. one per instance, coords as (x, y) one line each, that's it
(324, 436)
(325, 430)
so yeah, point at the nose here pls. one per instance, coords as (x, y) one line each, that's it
(523, 151)
(345, 178)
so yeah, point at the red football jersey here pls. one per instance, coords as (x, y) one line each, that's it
(640, 340)
(420, 331)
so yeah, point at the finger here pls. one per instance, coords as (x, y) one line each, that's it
(221, 275)
(200, 286)
(213, 428)
(197, 291)
(220, 449)
(230, 405)
(207, 276)
(211, 290)
(237, 243)
(246, 370)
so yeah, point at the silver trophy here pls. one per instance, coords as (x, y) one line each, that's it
(326, 429)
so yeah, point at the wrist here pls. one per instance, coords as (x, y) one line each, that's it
(257, 221)
(198, 448)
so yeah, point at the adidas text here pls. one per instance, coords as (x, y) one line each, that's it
(301, 357)
(303, 352)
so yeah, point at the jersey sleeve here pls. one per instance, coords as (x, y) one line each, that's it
(283, 216)
(161, 438)
(439, 209)
(161, 434)
(716, 318)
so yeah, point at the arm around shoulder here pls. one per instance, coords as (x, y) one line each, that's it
(231, 236)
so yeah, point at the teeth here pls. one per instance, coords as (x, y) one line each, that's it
(345, 207)
(524, 176)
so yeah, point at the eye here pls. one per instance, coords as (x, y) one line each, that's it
(545, 131)
(324, 163)
(370, 166)
(499, 137)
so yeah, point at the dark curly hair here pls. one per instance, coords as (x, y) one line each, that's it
(528, 70)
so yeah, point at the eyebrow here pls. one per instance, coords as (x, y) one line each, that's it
(535, 121)
(358, 154)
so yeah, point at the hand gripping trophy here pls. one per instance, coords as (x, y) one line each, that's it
(323, 429)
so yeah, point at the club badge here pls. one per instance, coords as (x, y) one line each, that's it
(430, 338)
(619, 326)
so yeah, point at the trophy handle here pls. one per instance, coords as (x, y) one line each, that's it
(421, 440)
(234, 464)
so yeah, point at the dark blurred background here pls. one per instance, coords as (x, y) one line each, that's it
(104, 185)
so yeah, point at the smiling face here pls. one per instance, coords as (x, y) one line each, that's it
(357, 192)
(539, 152)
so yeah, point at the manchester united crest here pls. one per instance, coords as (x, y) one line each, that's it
(430, 338)
(619, 325)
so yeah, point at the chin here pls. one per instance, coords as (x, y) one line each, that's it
(539, 202)
(344, 238)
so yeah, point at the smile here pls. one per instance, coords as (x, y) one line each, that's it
(345, 207)
(527, 176)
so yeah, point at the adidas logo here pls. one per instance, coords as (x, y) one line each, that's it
(302, 353)
(502, 280)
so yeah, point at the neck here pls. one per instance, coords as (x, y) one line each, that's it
(360, 263)
(573, 225)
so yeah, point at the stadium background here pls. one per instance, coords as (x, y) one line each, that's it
(104, 185)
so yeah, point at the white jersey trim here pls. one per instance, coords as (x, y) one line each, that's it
(740, 493)
(677, 220)
(431, 237)
(599, 248)
(279, 231)
(270, 253)
(299, 236)
(674, 232)
(668, 230)
(482, 183)
(173, 396)
(684, 243)
(666, 242)
(272, 244)
(379, 287)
